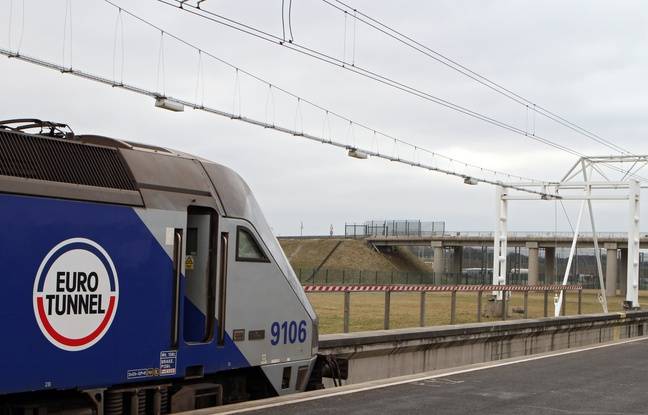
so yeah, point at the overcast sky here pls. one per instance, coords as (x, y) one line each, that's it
(585, 60)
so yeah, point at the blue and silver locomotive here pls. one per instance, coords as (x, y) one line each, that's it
(138, 279)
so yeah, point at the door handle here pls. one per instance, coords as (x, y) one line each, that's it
(177, 271)
(222, 285)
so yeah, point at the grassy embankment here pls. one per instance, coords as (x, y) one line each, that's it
(352, 254)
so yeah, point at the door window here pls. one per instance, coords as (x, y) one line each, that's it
(200, 275)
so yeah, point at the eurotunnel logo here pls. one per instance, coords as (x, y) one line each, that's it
(76, 292)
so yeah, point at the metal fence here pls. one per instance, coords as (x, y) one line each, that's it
(324, 276)
(354, 276)
(540, 235)
(393, 228)
(479, 290)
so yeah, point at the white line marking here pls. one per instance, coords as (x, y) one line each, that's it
(426, 377)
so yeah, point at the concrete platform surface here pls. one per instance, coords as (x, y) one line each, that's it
(603, 379)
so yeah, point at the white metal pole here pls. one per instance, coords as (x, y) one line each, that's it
(632, 292)
(597, 252)
(496, 236)
(558, 302)
(499, 242)
(599, 266)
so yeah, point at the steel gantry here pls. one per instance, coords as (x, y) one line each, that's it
(579, 184)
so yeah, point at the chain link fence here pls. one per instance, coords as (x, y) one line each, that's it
(393, 228)
(334, 276)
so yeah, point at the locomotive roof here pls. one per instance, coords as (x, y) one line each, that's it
(105, 169)
(101, 140)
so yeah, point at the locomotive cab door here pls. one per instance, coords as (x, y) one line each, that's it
(200, 302)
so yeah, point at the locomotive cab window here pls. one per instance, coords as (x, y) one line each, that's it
(247, 247)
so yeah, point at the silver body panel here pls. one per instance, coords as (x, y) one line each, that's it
(258, 293)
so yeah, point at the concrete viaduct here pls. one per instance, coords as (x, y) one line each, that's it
(612, 243)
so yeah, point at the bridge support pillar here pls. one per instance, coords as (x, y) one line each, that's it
(534, 263)
(611, 272)
(438, 263)
(457, 261)
(550, 265)
(623, 272)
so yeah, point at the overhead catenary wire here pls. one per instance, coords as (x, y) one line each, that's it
(66, 31)
(161, 73)
(10, 25)
(355, 21)
(270, 108)
(458, 67)
(22, 27)
(290, 21)
(258, 33)
(344, 37)
(453, 64)
(236, 97)
(299, 99)
(9, 28)
(361, 71)
(216, 111)
(119, 24)
(200, 80)
(397, 158)
(283, 23)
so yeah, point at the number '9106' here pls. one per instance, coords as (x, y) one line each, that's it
(288, 332)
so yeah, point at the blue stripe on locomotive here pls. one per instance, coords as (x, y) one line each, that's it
(30, 228)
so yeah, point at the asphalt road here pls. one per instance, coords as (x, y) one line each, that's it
(611, 380)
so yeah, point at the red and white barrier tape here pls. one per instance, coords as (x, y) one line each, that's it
(437, 288)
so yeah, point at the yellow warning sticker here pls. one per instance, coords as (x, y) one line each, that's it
(189, 263)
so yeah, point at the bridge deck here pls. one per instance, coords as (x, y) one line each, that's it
(607, 379)
(513, 240)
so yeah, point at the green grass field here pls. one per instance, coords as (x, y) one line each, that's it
(367, 308)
